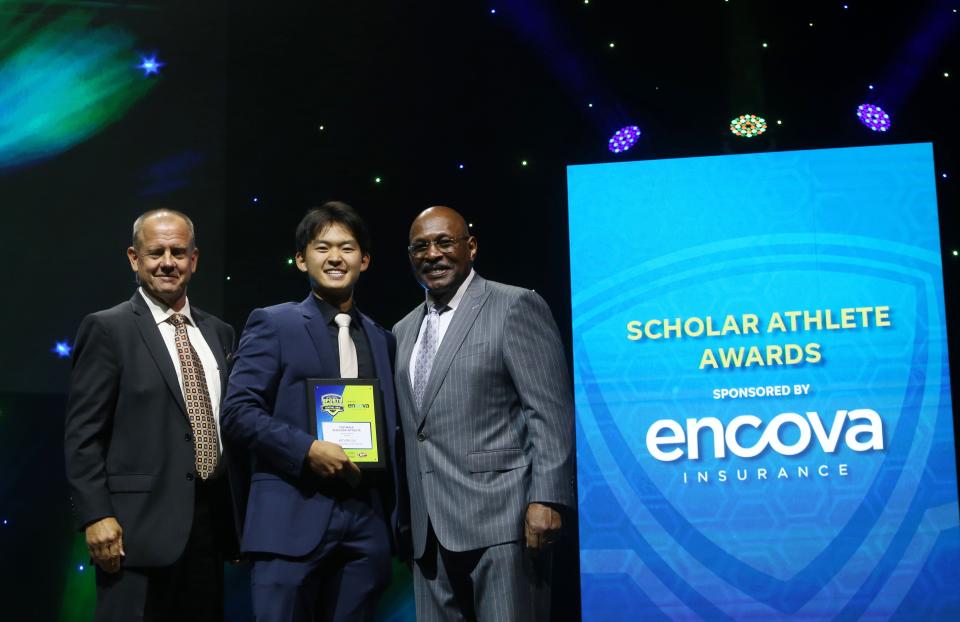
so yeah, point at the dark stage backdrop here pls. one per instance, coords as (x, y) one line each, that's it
(263, 109)
(88, 141)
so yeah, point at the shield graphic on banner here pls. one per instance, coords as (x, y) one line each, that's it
(828, 531)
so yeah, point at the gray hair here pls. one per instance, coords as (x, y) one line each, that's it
(163, 211)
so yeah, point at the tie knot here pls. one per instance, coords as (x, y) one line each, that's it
(342, 319)
(439, 309)
(177, 320)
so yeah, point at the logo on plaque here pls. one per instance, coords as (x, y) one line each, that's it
(332, 404)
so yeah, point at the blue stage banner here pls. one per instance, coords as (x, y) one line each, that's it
(764, 426)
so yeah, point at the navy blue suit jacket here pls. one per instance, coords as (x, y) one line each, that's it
(265, 410)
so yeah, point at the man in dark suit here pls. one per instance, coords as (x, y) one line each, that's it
(487, 418)
(319, 533)
(143, 457)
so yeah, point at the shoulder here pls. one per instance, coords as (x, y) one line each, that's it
(373, 323)
(511, 294)
(280, 313)
(112, 317)
(409, 319)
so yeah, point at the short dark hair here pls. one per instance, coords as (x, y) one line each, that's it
(332, 212)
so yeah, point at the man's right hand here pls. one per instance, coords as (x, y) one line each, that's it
(105, 543)
(328, 459)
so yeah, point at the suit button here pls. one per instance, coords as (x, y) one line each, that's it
(421, 437)
(189, 477)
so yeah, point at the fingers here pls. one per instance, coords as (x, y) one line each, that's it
(111, 565)
(105, 543)
(533, 538)
(351, 473)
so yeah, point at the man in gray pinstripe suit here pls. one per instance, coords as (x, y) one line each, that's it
(487, 417)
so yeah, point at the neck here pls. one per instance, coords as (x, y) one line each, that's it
(441, 300)
(179, 304)
(341, 305)
(176, 305)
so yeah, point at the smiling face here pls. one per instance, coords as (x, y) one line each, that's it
(333, 261)
(442, 272)
(164, 258)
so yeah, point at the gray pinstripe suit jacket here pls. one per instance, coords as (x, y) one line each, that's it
(495, 431)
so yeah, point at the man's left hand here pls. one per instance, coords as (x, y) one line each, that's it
(541, 526)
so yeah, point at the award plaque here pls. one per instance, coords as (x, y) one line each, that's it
(347, 411)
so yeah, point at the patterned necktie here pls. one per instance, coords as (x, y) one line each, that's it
(197, 398)
(428, 350)
(348, 349)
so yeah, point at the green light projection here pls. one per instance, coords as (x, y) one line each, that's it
(62, 80)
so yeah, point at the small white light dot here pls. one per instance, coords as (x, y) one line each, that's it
(256, 199)
(779, 122)
(523, 163)
(944, 175)
(810, 24)
(946, 74)
(588, 2)
(870, 87)
(460, 166)
(590, 105)
(228, 278)
(955, 253)
(765, 45)
(289, 261)
(493, 11)
(469, 224)
(612, 44)
(376, 180)
(320, 128)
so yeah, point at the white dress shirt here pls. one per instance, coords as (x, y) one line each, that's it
(445, 318)
(211, 370)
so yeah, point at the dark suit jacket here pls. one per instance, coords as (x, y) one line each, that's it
(266, 411)
(495, 430)
(128, 440)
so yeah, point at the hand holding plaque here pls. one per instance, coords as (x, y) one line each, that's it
(328, 459)
(347, 412)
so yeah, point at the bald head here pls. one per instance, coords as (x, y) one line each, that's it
(163, 213)
(441, 251)
(452, 216)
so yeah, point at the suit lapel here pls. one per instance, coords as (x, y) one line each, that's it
(213, 340)
(409, 327)
(378, 347)
(463, 319)
(320, 335)
(157, 348)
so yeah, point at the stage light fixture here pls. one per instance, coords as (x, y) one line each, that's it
(62, 349)
(623, 139)
(748, 126)
(873, 117)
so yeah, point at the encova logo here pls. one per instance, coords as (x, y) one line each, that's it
(864, 433)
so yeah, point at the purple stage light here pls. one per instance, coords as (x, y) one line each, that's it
(873, 117)
(623, 139)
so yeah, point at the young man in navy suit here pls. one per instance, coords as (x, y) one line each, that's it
(319, 532)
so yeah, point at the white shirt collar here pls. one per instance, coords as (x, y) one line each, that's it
(161, 311)
(459, 295)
